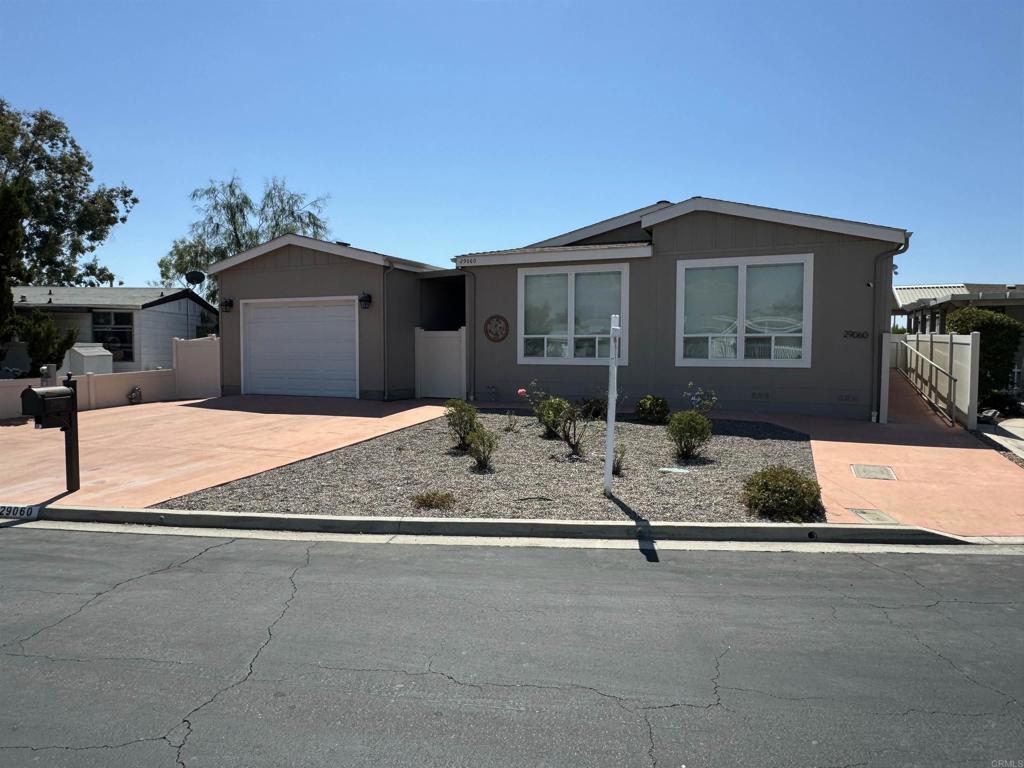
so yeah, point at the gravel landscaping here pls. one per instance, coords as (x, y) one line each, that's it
(532, 478)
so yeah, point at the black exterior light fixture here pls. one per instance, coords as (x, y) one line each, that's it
(364, 300)
(226, 305)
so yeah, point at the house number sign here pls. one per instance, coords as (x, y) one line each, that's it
(855, 334)
(496, 328)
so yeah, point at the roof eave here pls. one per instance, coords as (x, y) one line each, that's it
(778, 216)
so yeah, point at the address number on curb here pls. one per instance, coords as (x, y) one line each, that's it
(15, 512)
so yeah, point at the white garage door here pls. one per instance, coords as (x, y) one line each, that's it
(300, 347)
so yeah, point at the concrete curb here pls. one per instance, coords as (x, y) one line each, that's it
(564, 529)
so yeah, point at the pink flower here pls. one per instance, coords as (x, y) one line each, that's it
(521, 392)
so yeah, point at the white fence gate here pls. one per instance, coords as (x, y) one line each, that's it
(943, 368)
(441, 363)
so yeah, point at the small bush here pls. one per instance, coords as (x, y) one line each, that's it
(482, 443)
(651, 409)
(433, 500)
(511, 422)
(700, 400)
(461, 418)
(689, 432)
(594, 408)
(619, 459)
(1000, 338)
(549, 413)
(535, 396)
(783, 494)
(573, 429)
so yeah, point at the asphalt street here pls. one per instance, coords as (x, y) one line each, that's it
(144, 650)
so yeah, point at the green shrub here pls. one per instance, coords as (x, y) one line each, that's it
(461, 418)
(433, 500)
(549, 413)
(482, 443)
(1000, 338)
(573, 429)
(619, 459)
(594, 408)
(651, 409)
(689, 432)
(783, 494)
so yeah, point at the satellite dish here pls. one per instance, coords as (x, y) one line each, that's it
(194, 277)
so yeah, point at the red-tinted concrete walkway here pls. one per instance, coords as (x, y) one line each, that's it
(946, 478)
(135, 456)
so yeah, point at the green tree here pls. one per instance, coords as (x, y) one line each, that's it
(52, 215)
(44, 342)
(1000, 338)
(230, 222)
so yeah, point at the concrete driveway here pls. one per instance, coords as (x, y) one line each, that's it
(135, 456)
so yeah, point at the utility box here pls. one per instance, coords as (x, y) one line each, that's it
(51, 407)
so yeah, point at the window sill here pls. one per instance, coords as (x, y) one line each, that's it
(699, 363)
(603, 361)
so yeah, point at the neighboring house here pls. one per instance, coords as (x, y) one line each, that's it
(773, 309)
(135, 324)
(927, 306)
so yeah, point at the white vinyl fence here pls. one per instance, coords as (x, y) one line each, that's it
(943, 368)
(441, 363)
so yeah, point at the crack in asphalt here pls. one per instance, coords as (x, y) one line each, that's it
(92, 659)
(20, 642)
(899, 573)
(187, 720)
(91, 747)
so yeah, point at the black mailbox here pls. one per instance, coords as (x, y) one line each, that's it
(50, 406)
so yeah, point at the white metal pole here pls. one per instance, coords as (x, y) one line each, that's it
(613, 392)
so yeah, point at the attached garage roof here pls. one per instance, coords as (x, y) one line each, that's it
(337, 249)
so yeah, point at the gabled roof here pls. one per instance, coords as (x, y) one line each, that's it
(71, 297)
(336, 249)
(779, 216)
(600, 227)
(538, 255)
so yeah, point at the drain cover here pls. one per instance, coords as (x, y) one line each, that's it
(873, 471)
(876, 516)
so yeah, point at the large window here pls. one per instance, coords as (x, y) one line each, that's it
(114, 331)
(565, 313)
(753, 311)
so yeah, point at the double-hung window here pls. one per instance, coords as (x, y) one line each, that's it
(565, 313)
(753, 311)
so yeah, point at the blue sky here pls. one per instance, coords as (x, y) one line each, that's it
(440, 127)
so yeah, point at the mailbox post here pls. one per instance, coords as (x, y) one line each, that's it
(57, 407)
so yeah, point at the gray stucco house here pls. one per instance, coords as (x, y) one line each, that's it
(776, 310)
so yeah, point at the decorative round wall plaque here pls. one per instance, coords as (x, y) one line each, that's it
(496, 328)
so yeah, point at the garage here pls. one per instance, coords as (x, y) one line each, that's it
(300, 347)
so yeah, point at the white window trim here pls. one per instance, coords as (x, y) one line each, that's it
(571, 271)
(807, 259)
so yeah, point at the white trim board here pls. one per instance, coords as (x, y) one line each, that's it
(521, 359)
(600, 227)
(323, 246)
(305, 299)
(554, 255)
(792, 218)
(807, 259)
